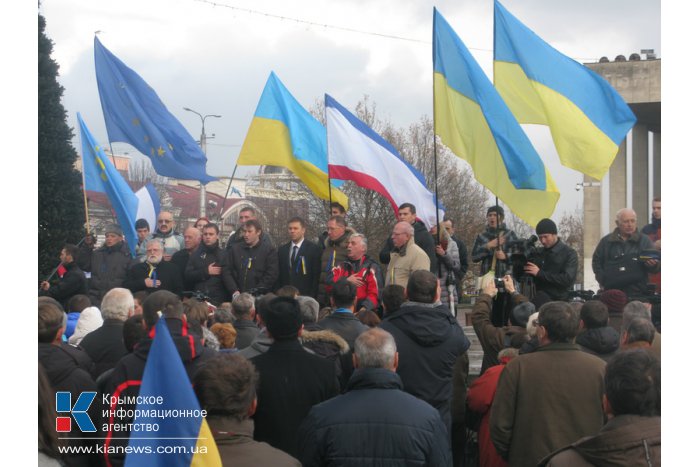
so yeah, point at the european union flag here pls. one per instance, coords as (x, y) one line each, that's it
(134, 114)
(102, 176)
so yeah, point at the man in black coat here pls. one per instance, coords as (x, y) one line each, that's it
(343, 320)
(105, 345)
(72, 282)
(407, 213)
(429, 340)
(292, 380)
(252, 264)
(375, 421)
(109, 264)
(554, 267)
(68, 370)
(299, 260)
(204, 269)
(155, 273)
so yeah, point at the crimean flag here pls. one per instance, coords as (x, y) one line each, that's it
(358, 153)
(474, 122)
(134, 114)
(101, 176)
(284, 134)
(182, 439)
(586, 116)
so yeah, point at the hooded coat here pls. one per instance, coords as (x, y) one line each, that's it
(625, 441)
(602, 342)
(429, 340)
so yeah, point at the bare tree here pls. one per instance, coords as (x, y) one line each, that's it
(571, 232)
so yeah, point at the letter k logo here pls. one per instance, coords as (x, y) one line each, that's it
(78, 411)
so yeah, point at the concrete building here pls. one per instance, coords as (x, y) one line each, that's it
(634, 177)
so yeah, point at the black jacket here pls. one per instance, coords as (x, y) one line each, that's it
(252, 267)
(345, 324)
(374, 423)
(306, 270)
(167, 273)
(105, 345)
(429, 340)
(68, 369)
(125, 380)
(246, 330)
(217, 288)
(292, 381)
(613, 253)
(422, 238)
(558, 267)
(602, 342)
(180, 259)
(72, 283)
(109, 268)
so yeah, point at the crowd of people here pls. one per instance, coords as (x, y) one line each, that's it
(314, 353)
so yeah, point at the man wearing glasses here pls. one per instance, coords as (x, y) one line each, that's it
(172, 241)
(406, 256)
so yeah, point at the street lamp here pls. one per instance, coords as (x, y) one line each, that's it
(203, 145)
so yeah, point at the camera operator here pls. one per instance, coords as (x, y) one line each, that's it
(554, 266)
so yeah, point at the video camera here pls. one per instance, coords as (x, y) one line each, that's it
(523, 251)
(196, 294)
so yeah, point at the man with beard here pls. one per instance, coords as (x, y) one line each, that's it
(109, 264)
(252, 263)
(204, 268)
(155, 273)
(421, 236)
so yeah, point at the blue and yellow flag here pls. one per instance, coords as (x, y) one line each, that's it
(134, 114)
(587, 118)
(474, 122)
(284, 134)
(103, 177)
(182, 438)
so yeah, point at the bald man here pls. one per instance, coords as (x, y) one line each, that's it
(406, 256)
(620, 260)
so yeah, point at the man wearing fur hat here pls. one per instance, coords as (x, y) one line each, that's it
(555, 265)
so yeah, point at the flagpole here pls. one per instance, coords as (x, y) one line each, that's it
(437, 208)
(328, 169)
(82, 174)
(228, 190)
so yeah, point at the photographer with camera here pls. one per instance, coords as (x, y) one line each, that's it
(620, 260)
(554, 266)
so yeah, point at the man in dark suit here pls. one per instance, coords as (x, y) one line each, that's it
(299, 260)
(292, 380)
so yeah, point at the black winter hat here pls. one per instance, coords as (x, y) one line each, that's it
(497, 209)
(546, 226)
(521, 313)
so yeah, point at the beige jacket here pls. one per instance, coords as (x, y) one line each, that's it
(409, 258)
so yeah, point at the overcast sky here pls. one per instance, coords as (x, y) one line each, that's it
(215, 57)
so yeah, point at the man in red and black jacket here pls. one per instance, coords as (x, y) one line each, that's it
(125, 380)
(361, 271)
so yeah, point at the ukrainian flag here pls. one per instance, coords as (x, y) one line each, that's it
(587, 118)
(475, 123)
(284, 134)
(182, 438)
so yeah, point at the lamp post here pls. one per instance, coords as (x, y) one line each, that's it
(203, 145)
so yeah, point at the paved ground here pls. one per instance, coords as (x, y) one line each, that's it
(475, 352)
